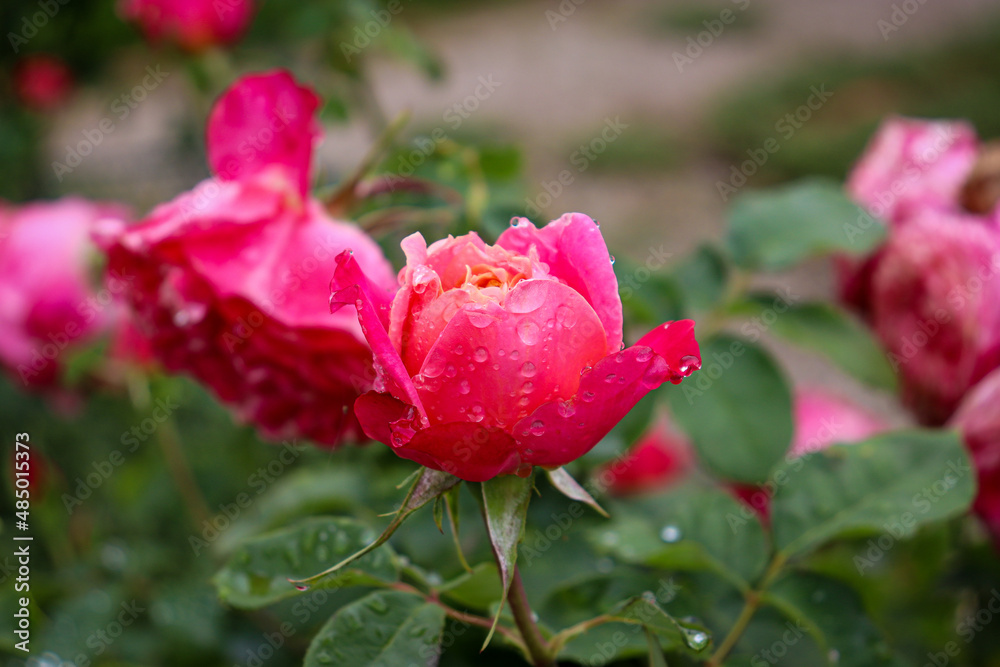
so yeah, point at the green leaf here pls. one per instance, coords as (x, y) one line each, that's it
(823, 328)
(505, 505)
(384, 629)
(778, 228)
(477, 589)
(656, 657)
(570, 488)
(832, 613)
(737, 410)
(689, 529)
(892, 482)
(644, 610)
(429, 485)
(702, 277)
(258, 573)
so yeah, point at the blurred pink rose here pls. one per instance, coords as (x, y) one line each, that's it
(42, 82)
(911, 165)
(935, 296)
(49, 301)
(265, 120)
(232, 282)
(657, 460)
(193, 25)
(978, 419)
(494, 359)
(821, 419)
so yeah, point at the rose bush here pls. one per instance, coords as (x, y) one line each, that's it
(193, 25)
(49, 299)
(493, 359)
(232, 278)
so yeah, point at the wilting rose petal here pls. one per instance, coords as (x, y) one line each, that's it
(500, 358)
(261, 121)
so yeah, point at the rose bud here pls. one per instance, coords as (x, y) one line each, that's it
(49, 303)
(42, 82)
(494, 359)
(978, 418)
(193, 25)
(934, 307)
(232, 278)
(821, 419)
(657, 460)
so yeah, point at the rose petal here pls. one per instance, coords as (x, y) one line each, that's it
(264, 120)
(500, 364)
(675, 342)
(350, 286)
(562, 431)
(471, 451)
(575, 252)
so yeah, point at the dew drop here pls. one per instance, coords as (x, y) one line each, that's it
(481, 355)
(450, 371)
(528, 369)
(643, 354)
(566, 316)
(587, 396)
(515, 354)
(459, 350)
(476, 413)
(528, 387)
(612, 258)
(464, 387)
(670, 534)
(565, 409)
(478, 319)
(528, 332)
(537, 427)
(610, 377)
(689, 364)
(695, 639)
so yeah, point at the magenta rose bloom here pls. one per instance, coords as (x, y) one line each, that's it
(50, 301)
(232, 280)
(909, 167)
(193, 25)
(934, 307)
(978, 418)
(494, 359)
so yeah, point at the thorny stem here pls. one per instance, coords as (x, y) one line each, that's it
(470, 619)
(538, 648)
(753, 600)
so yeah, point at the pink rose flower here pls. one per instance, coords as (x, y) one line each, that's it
(231, 285)
(42, 82)
(978, 418)
(659, 459)
(911, 165)
(193, 25)
(934, 306)
(49, 301)
(494, 359)
(264, 121)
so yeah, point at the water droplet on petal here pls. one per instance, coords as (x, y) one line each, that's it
(481, 355)
(459, 350)
(612, 258)
(515, 355)
(450, 371)
(537, 427)
(565, 409)
(689, 364)
(464, 387)
(478, 319)
(528, 387)
(610, 377)
(528, 332)
(528, 369)
(670, 534)
(566, 316)
(476, 413)
(587, 396)
(643, 354)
